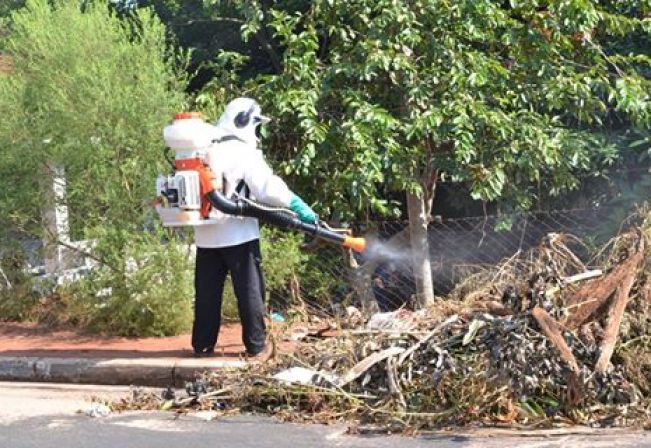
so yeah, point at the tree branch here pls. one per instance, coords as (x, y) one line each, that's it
(429, 178)
(264, 39)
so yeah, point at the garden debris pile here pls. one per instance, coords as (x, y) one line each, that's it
(542, 339)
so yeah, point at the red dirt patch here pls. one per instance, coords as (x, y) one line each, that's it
(26, 339)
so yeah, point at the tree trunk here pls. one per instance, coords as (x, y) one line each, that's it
(420, 258)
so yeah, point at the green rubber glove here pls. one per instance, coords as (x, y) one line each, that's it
(304, 212)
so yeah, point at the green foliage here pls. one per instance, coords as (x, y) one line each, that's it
(509, 98)
(6, 7)
(17, 297)
(210, 27)
(216, 93)
(9, 5)
(282, 257)
(153, 299)
(321, 279)
(99, 117)
(91, 92)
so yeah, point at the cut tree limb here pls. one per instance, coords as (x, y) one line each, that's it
(583, 276)
(394, 384)
(587, 275)
(552, 330)
(615, 314)
(595, 293)
(498, 309)
(361, 367)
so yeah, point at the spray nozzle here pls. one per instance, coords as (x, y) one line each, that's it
(356, 244)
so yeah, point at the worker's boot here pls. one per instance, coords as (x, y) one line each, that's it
(263, 355)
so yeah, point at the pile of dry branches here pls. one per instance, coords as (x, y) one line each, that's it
(542, 339)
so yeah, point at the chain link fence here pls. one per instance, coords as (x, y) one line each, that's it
(334, 278)
(326, 279)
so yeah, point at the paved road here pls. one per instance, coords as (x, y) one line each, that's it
(46, 415)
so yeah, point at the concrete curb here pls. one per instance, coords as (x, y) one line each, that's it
(159, 372)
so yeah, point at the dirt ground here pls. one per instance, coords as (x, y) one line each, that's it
(27, 339)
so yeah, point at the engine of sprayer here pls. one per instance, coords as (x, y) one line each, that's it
(181, 197)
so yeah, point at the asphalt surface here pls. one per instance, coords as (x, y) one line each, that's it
(34, 415)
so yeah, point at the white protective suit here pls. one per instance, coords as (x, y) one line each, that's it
(232, 161)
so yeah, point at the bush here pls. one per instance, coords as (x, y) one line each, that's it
(281, 257)
(91, 93)
(153, 299)
(17, 297)
(323, 280)
(159, 291)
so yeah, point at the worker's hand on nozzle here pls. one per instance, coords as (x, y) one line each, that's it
(304, 212)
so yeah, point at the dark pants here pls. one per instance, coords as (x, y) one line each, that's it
(212, 266)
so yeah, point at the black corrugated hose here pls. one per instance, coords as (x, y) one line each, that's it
(278, 218)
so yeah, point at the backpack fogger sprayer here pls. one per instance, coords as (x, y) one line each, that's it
(186, 197)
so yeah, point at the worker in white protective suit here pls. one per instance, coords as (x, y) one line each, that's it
(232, 244)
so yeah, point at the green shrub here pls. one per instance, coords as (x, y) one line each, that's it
(153, 299)
(17, 297)
(92, 92)
(89, 92)
(281, 257)
(322, 279)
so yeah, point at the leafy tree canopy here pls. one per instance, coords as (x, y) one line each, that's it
(5, 9)
(515, 99)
